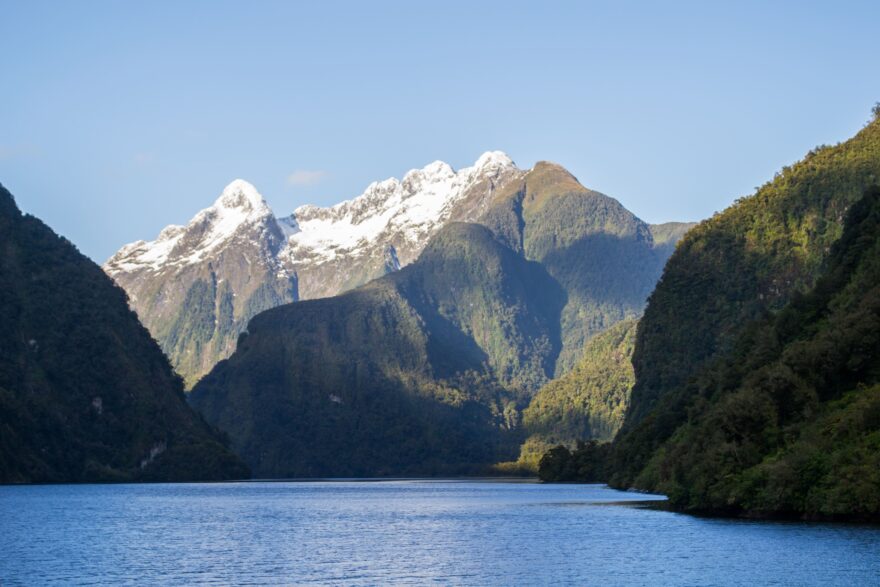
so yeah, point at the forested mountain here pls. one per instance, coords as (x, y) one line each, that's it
(789, 422)
(426, 370)
(600, 252)
(85, 393)
(729, 271)
(756, 359)
(405, 375)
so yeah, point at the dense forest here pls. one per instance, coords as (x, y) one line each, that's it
(86, 395)
(756, 359)
(427, 370)
(789, 421)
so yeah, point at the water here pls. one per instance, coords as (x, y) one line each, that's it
(405, 532)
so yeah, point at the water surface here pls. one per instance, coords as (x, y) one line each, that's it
(405, 532)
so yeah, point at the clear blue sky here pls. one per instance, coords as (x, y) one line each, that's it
(118, 118)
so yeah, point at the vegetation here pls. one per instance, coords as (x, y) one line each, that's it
(587, 463)
(206, 324)
(85, 394)
(727, 273)
(790, 421)
(602, 255)
(588, 402)
(419, 372)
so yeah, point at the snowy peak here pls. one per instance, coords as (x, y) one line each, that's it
(239, 205)
(242, 257)
(400, 212)
(494, 159)
(241, 195)
(433, 171)
(410, 209)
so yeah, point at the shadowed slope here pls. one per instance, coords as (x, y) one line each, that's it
(85, 393)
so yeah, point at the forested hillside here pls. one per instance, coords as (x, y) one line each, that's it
(756, 361)
(789, 422)
(730, 271)
(601, 253)
(420, 372)
(86, 395)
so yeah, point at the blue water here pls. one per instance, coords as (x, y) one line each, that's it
(405, 532)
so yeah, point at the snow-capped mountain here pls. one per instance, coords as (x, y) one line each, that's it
(196, 286)
(239, 206)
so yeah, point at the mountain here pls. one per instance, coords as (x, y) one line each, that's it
(86, 395)
(196, 286)
(426, 370)
(401, 376)
(728, 272)
(789, 422)
(603, 256)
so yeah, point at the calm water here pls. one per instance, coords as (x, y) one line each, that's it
(404, 532)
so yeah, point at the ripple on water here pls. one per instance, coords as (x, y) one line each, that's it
(407, 533)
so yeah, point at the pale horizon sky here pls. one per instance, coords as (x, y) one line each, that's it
(117, 119)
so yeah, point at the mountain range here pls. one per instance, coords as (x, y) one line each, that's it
(427, 369)
(462, 322)
(196, 287)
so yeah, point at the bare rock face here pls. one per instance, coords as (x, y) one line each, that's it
(195, 287)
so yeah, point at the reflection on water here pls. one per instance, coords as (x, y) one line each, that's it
(405, 532)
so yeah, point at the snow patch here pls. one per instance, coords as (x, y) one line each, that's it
(238, 205)
(413, 207)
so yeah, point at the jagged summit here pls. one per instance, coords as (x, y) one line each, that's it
(241, 194)
(240, 204)
(411, 208)
(494, 159)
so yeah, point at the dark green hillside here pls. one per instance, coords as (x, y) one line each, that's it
(789, 423)
(206, 321)
(419, 372)
(85, 392)
(729, 271)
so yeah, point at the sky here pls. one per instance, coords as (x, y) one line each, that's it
(119, 118)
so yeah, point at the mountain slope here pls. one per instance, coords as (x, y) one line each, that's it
(589, 401)
(728, 272)
(85, 393)
(790, 423)
(415, 373)
(196, 286)
(601, 253)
